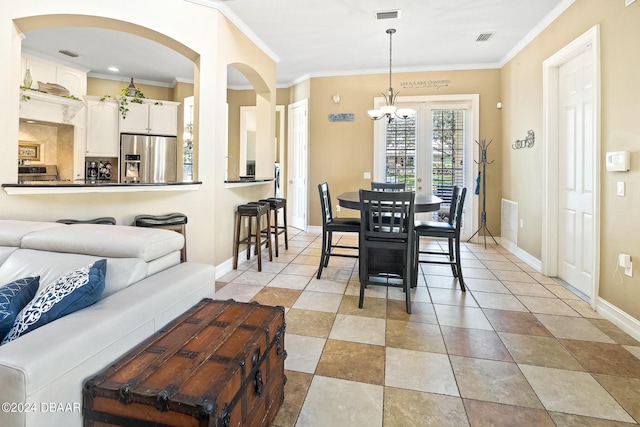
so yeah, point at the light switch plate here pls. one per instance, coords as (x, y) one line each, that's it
(620, 188)
(628, 2)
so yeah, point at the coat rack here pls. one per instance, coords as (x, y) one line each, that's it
(483, 177)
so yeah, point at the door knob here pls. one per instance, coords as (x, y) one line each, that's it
(419, 188)
(419, 179)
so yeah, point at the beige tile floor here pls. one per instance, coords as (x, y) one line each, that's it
(517, 349)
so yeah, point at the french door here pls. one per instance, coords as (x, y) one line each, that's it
(431, 150)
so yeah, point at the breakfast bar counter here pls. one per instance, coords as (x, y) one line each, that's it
(70, 187)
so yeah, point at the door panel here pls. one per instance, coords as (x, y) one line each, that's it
(297, 172)
(577, 139)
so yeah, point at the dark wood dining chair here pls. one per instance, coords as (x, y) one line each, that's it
(331, 225)
(386, 240)
(449, 230)
(387, 186)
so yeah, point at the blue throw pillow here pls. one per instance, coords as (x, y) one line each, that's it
(73, 291)
(13, 297)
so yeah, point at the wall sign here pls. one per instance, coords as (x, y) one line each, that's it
(422, 84)
(342, 117)
(27, 151)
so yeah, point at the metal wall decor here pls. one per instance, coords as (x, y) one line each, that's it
(527, 142)
(342, 117)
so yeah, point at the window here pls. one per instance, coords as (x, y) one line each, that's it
(447, 154)
(400, 152)
(432, 150)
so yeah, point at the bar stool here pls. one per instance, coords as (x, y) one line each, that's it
(105, 220)
(275, 204)
(174, 221)
(258, 211)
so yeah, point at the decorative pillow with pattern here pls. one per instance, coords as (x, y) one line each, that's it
(13, 297)
(71, 292)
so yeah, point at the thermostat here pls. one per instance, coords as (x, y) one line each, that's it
(617, 161)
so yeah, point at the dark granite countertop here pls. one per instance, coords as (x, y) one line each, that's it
(247, 180)
(82, 186)
(95, 183)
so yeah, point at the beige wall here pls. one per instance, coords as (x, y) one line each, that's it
(620, 90)
(113, 88)
(340, 152)
(200, 33)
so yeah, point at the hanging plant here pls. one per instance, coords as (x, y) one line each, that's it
(125, 92)
(124, 100)
(123, 103)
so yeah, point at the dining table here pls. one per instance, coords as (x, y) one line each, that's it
(422, 203)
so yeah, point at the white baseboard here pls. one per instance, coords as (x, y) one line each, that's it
(227, 266)
(314, 229)
(532, 261)
(618, 317)
(621, 319)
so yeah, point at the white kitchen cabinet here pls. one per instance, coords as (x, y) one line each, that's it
(163, 118)
(49, 72)
(102, 127)
(151, 117)
(136, 119)
(41, 71)
(73, 80)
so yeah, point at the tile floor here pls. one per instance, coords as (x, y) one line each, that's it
(517, 349)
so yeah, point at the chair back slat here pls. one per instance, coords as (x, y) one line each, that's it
(386, 215)
(455, 218)
(388, 186)
(325, 203)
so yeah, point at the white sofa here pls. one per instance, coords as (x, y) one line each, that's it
(42, 372)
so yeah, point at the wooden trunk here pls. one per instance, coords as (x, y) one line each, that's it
(219, 364)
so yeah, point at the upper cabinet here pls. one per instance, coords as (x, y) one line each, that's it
(50, 72)
(102, 127)
(151, 117)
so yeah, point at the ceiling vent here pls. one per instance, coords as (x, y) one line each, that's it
(388, 14)
(483, 37)
(69, 53)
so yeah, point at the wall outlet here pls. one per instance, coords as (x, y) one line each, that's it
(624, 260)
(367, 175)
(521, 223)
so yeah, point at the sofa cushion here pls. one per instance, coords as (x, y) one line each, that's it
(117, 241)
(12, 231)
(5, 251)
(73, 291)
(14, 297)
(123, 272)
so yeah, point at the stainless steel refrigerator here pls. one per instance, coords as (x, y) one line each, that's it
(148, 158)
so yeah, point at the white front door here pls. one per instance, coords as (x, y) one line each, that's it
(298, 165)
(577, 115)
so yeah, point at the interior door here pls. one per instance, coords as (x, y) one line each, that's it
(576, 173)
(298, 165)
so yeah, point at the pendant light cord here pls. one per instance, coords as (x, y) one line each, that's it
(390, 31)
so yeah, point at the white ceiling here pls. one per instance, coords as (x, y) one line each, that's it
(329, 37)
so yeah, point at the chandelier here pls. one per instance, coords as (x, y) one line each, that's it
(390, 111)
